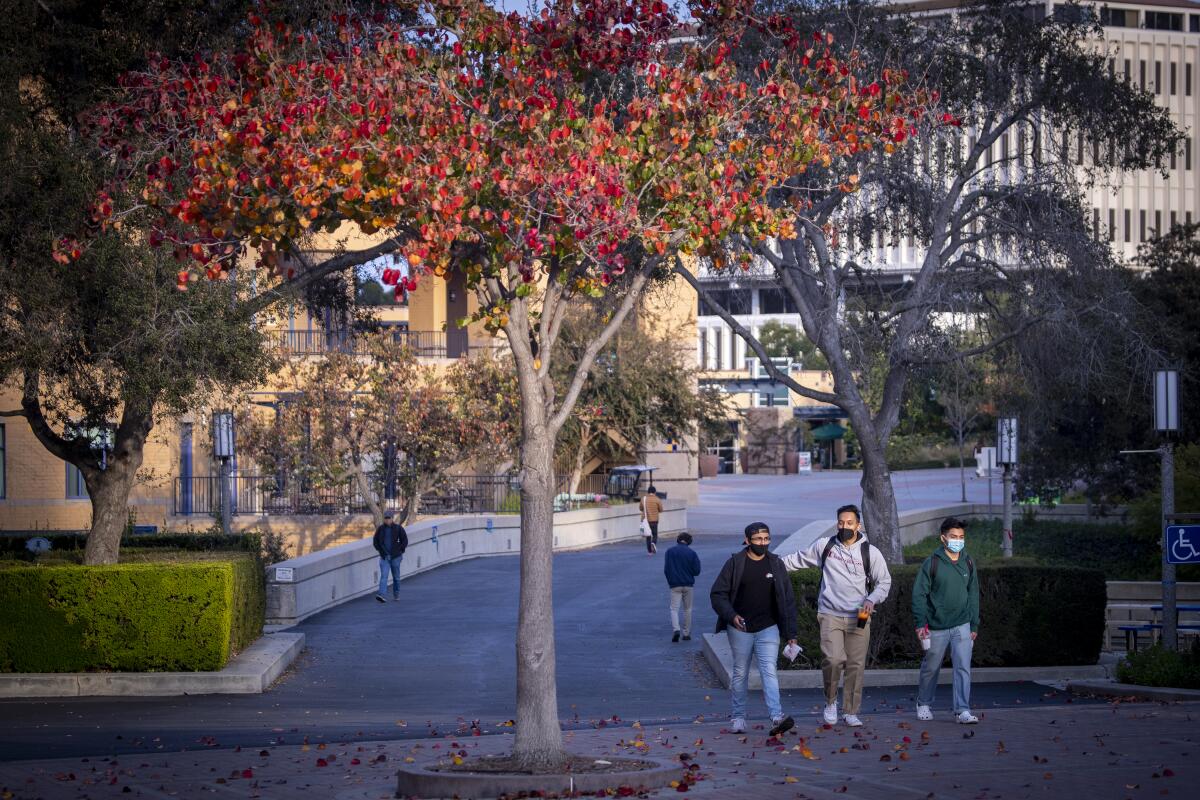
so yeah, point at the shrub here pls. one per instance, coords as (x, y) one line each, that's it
(1113, 549)
(211, 540)
(1157, 666)
(1029, 616)
(136, 617)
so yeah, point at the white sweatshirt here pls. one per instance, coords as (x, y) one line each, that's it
(844, 584)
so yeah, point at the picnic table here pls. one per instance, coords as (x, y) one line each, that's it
(1154, 629)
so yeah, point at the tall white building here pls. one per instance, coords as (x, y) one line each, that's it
(1154, 44)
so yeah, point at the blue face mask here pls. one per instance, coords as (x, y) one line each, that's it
(955, 545)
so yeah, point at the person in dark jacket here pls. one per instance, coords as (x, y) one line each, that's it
(681, 567)
(755, 604)
(945, 604)
(390, 542)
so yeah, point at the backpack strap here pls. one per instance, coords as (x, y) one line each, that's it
(933, 569)
(866, 560)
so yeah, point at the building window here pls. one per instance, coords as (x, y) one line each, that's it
(1187, 154)
(1187, 79)
(3, 465)
(1096, 224)
(1118, 18)
(1194, 23)
(1174, 158)
(1163, 21)
(1142, 74)
(1128, 226)
(1112, 225)
(1142, 225)
(76, 486)
(1158, 77)
(1174, 219)
(735, 301)
(703, 349)
(1128, 71)
(1174, 84)
(1158, 223)
(776, 301)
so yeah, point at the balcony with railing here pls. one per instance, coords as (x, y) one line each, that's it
(425, 344)
(266, 495)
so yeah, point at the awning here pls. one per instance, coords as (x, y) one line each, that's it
(829, 432)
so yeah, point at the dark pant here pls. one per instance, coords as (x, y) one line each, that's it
(652, 539)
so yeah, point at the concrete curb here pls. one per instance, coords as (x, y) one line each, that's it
(414, 781)
(251, 672)
(720, 657)
(1113, 689)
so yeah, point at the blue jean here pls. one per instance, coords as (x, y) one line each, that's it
(960, 644)
(392, 565)
(764, 647)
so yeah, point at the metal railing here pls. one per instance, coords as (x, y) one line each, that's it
(426, 344)
(264, 495)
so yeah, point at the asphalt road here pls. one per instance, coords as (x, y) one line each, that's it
(443, 656)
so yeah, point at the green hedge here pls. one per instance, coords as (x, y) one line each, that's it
(13, 545)
(1029, 616)
(1157, 666)
(178, 616)
(1115, 550)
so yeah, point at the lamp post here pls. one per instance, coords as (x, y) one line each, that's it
(1166, 422)
(223, 450)
(1006, 454)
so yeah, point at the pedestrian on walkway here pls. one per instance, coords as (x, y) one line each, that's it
(681, 566)
(854, 579)
(755, 604)
(945, 606)
(651, 507)
(390, 542)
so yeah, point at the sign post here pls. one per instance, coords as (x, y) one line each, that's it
(1006, 455)
(223, 450)
(1166, 422)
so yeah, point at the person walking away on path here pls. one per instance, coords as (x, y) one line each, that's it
(854, 579)
(651, 509)
(945, 605)
(755, 604)
(390, 542)
(681, 566)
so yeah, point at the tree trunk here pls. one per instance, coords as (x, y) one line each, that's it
(364, 488)
(880, 515)
(538, 742)
(962, 466)
(109, 492)
(109, 488)
(580, 458)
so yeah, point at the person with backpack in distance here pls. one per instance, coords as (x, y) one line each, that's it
(945, 605)
(854, 579)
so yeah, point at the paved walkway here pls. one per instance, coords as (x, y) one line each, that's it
(444, 653)
(1086, 751)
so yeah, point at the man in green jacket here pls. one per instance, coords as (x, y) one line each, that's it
(946, 608)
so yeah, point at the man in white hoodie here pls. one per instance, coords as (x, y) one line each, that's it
(854, 577)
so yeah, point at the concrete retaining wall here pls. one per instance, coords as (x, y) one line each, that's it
(300, 587)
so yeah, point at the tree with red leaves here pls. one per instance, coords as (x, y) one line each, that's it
(558, 160)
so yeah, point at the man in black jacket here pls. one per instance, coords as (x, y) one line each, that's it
(390, 542)
(755, 604)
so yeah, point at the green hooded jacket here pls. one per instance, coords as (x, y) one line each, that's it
(952, 599)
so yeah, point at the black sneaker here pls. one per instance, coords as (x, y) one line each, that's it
(782, 726)
(380, 598)
(687, 637)
(675, 636)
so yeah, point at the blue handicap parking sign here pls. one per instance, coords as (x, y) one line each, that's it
(1183, 544)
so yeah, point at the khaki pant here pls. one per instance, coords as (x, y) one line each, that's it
(843, 657)
(681, 596)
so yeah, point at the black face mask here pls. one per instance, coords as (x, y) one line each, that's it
(845, 534)
(759, 549)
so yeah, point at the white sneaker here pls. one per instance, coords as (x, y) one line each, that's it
(852, 720)
(967, 718)
(831, 714)
(924, 713)
(737, 726)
